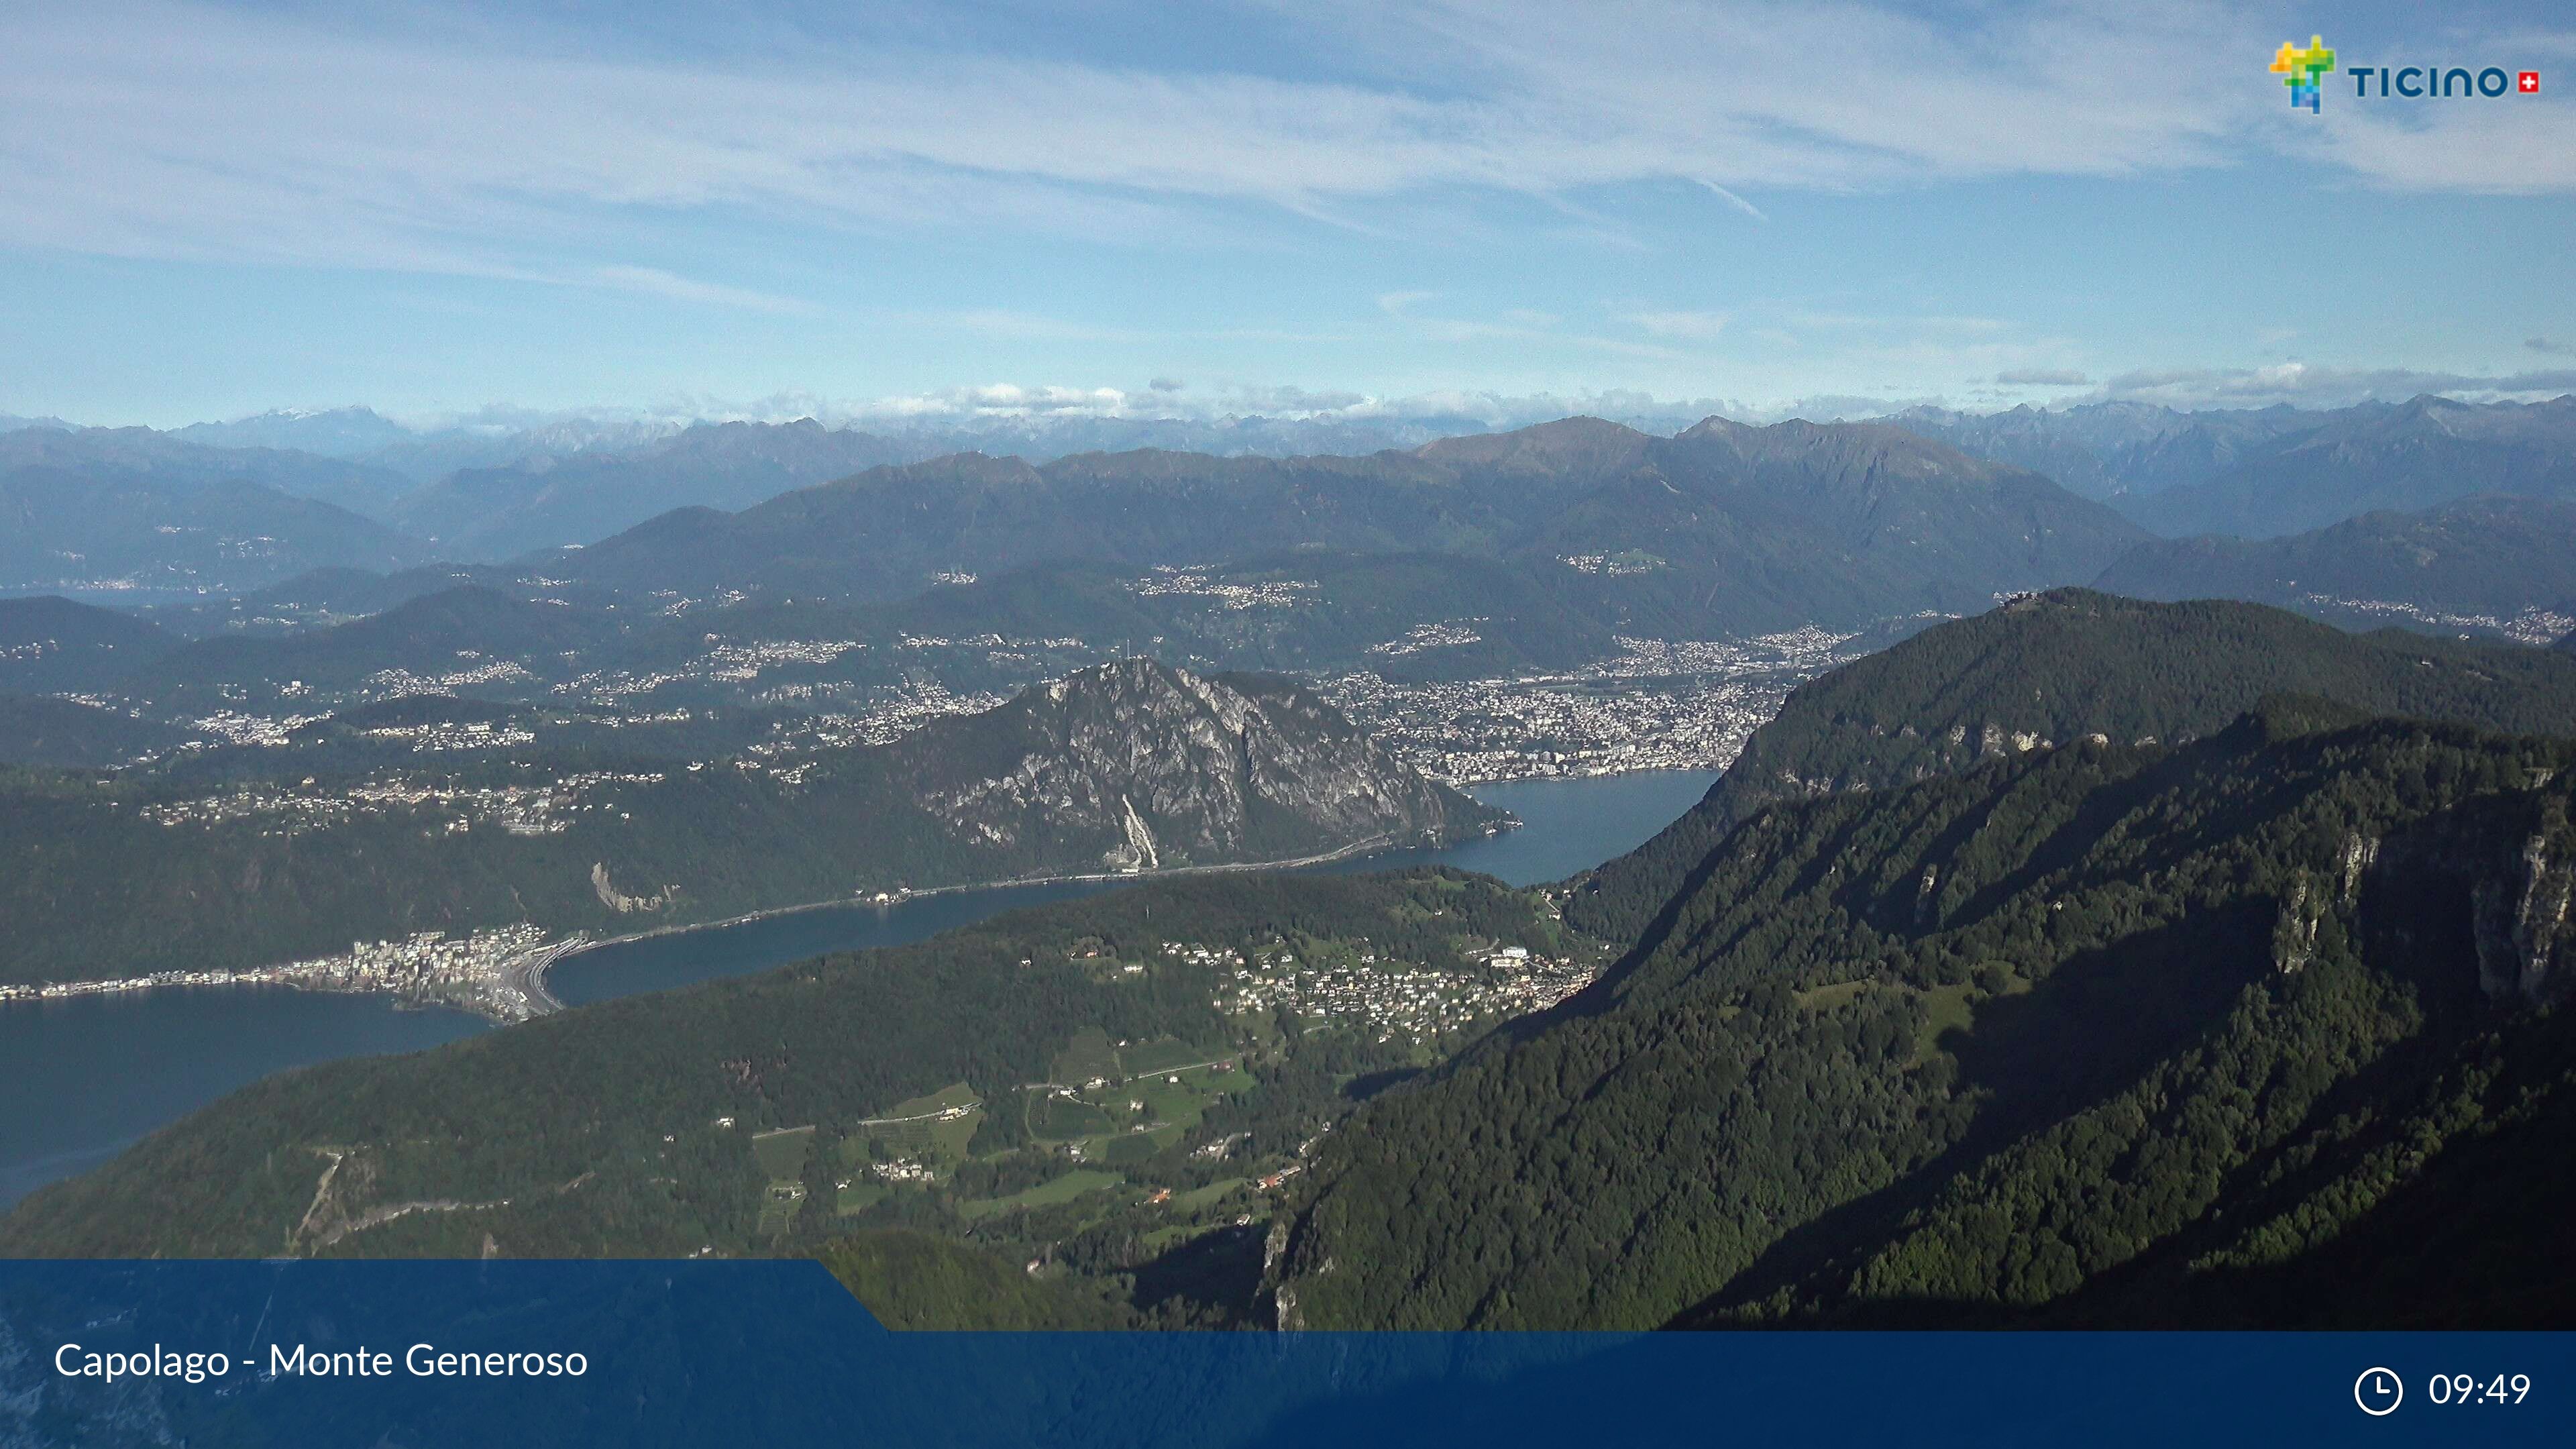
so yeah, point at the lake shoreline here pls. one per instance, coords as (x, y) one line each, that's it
(67, 1064)
(888, 900)
(521, 979)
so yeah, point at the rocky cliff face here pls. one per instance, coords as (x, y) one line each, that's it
(1139, 766)
(2506, 866)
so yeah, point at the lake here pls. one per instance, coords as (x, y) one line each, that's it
(83, 1077)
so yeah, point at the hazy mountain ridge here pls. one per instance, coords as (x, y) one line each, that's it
(2492, 565)
(2419, 454)
(63, 734)
(65, 530)
(1722, 528)
(1579, 487)
(2102, 450)
(170, 461)
(424, 454)
(322, 598)
(343, 432)
(549, 501)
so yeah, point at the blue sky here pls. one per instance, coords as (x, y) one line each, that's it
(1516, 207)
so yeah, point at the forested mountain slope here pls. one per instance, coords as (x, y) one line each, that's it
(50, 644)
(1982, 1045)
(2051, 670)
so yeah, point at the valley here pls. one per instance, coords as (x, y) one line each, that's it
(981, 893)
(1186, 1101)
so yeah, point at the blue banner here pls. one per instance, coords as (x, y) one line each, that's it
(420, 1354)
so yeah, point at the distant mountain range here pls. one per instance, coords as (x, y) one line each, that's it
(1721, 528)
(2416, 455)
(2103, 450)
(1724, 528)
(168, 461)
(349, 432)
(2276, 470)
(423, 455)
(426, 454)
(548, 502)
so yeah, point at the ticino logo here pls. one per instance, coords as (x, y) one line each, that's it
(2304, 68)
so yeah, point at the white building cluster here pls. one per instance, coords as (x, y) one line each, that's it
(497, 973)
(1390, 997)
(547, 808)
(1656, 705)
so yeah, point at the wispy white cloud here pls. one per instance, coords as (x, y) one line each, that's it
(180, 130)
(2303, 384)
(2505, 148)
(1513, 325)
(1453, 409)
(1731, 199)
(1693, 326)
(1896, 322)
(1035, 408)
(654, 282)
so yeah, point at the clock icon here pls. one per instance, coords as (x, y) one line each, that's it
(2378, 1392)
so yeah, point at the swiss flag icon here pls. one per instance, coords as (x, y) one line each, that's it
(2528, 83)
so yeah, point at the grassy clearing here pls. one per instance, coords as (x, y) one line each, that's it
(954, 1095)
(1057, 1190)
(1202, 1198)
(1945, 1008)
(919, 1128)
(1826, 998)
(950, 1138)
(1949, 1008)
(1147, 1058)
(1061, 1119)
(781, 1154)
(1088, 1057)
(1130, 1147)
(1180, 1105)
